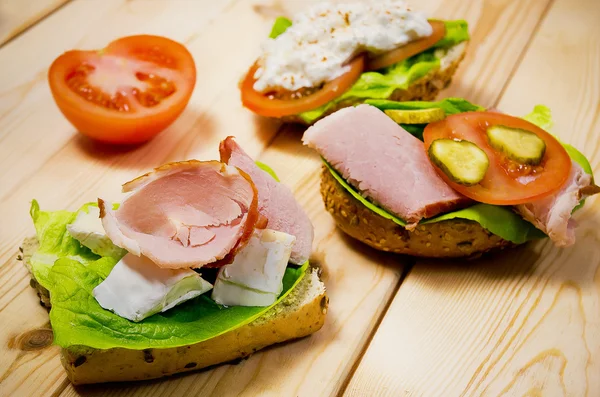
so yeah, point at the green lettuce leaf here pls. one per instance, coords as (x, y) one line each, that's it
(456, 33)
(54, 241)
(383, 83)
(70, 272)
(579, 158)
(542, 117)
(281, 24)
(78, 319)
(267, 169)
(450, 105)
(499, 220)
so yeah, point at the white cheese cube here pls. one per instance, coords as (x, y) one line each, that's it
(87, 229)
(255, 278)
(136, 288)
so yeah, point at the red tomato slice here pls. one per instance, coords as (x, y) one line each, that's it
(297, 102)
(408, 50)
(506, 182)
(127, 92)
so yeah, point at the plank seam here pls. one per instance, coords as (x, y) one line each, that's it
(279, 131)
(405, 272)
(517, 64)
(62, 387)
(76, 135)
(41, 19)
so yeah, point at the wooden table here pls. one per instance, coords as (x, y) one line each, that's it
(526, 322)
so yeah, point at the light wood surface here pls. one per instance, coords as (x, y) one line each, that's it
(450, 328)
(525, 322)
(18, 15)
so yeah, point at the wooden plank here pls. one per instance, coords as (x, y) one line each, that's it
(359, 282)
(65, 170)
(524, 322)
(18, 16)
(80, 163)
(27, 110)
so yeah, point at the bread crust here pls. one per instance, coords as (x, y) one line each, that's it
(301, 313)
(446, 239)
(424, 89)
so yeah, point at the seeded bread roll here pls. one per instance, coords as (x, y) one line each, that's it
(425, 89)
(301, 313)
(446, 239)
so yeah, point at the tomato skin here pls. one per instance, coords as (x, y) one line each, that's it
(259, 103)
(499, 186)
(409, 49)
(141, 124)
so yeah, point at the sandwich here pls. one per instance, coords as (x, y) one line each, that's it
(201, 263)
(448, 178)
(337, 55)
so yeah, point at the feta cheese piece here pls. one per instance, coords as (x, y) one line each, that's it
(87, 229)
(137, 288)
(321, 40)
(255, 278)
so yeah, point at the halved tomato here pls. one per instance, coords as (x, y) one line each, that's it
(287, 103)
(127, 92)
(408, 50)
(506, 182)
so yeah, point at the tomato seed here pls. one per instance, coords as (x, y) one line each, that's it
(158, 89)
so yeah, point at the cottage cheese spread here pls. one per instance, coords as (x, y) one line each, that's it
(317, 46)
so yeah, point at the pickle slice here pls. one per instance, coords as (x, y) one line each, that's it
(418, 116)
(519, 145)
(462, 161)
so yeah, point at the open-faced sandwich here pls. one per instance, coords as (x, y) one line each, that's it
(337, 55)
(201, 263)
(448, 178)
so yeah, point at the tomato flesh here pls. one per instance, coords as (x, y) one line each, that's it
(287, 103)
(157, 89)
(126, 93)
(506, 181)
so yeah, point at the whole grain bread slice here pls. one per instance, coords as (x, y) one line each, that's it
(451, 238)
(299, 314)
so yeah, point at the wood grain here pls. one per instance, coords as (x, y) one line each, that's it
(42, 157)
(359, 283)
(74, 168)
(358, 288)
(18, 15)
(64, 170)
(524, 322)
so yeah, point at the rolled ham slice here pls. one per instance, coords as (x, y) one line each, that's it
(552, 214)
(384, 162)
(276, 202)
(186, 214)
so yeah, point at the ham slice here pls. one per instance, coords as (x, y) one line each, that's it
(552, 214)
(275, 201)
(383, 162)
(186, 214)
